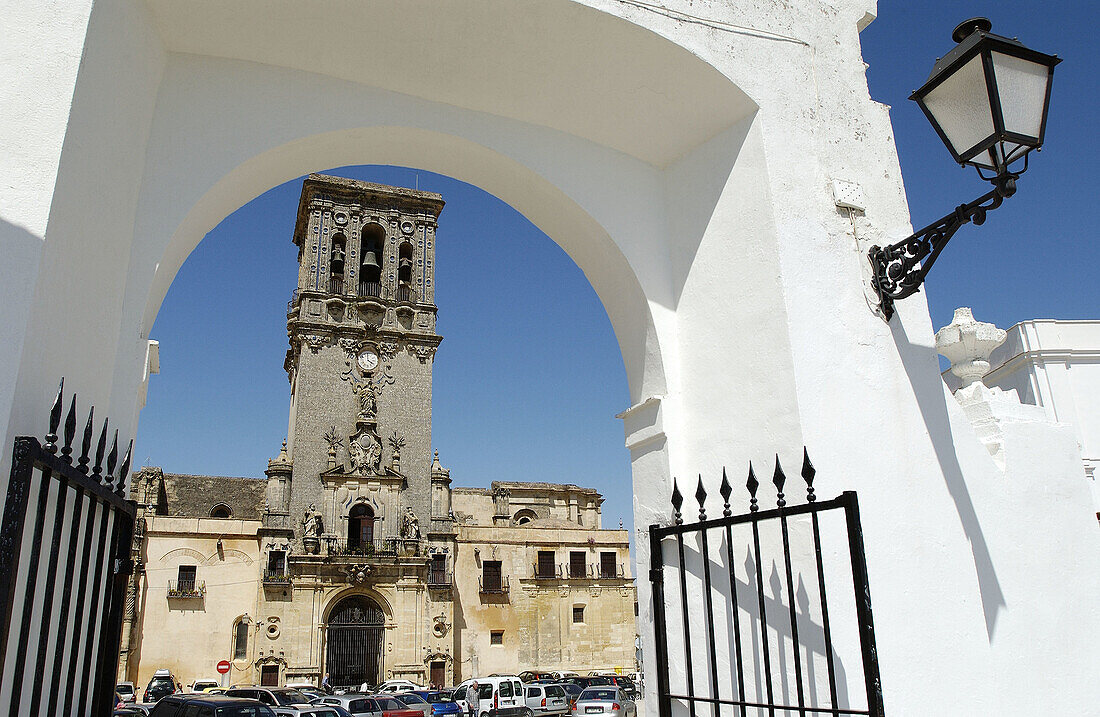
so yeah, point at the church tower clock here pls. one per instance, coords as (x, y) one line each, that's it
(361, 326)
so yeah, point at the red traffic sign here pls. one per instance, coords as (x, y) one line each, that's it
(223, 667)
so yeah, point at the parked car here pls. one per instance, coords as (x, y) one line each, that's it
(546, 699)
(589, 681)
(626, 685)
(126, 691)
(201, 685)
(313, 693)
(443, 705)
(133, 709)
(355, 704)
(161, 684)
(572, 691)
(210, 706)
(270, 696)
(501, 694)
(309, 711)
(392, 686)
(602, 700)
(392, 708)
(415, 702)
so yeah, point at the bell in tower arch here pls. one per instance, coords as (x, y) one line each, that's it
(370, 260)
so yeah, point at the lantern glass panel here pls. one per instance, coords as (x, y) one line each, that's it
(960, 106)
(1022, 86)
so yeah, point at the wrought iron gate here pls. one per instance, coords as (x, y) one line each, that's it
(773, 651)
(354, 645)
(62, 615)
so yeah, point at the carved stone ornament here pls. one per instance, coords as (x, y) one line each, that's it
(967, 344)
(422, 351)
(316, 342)
(365, 451)
(440, 628)
(388, 349)
(358, 573)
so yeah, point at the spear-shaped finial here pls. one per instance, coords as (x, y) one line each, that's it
(701, 496)
(677, 501)
(778, 479)
(120, 489)
(86, 444)
(70, 431)
(726, 490)
(808, 473)
(55, 420)
(100, 450)
(752, 484)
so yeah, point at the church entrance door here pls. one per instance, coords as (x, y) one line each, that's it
(354, 644)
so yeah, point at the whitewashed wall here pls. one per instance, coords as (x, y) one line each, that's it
(684, 166)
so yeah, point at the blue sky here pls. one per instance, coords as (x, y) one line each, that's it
(529, 378)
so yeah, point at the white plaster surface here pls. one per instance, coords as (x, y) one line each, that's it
(707, 227)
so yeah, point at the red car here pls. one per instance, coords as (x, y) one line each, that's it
(393, 708)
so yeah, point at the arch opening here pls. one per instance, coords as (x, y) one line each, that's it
(353, 648)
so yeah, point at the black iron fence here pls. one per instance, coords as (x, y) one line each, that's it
(380, 547)
(774, 630)
(64, 563)
(336, 285)
(439, 578)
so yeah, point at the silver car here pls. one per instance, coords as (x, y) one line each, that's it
(356, 704)
(306, 711)
(414, 702)
(602, 700)
(543, 699)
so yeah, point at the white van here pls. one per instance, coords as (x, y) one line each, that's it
(498, 696)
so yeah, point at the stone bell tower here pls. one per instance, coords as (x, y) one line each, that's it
(361, 326)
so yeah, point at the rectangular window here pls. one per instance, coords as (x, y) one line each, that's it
(578, 613)
(505, 689)
(576, 564)
(240, 641)
(437, 573)
(496, 637)
(186, 578)
(607, 564)
(490, 576)
(546, 564)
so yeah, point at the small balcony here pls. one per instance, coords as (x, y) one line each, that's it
(380, 547)
(280, 521)
(276, 578)
(439, 580)
(546, 572)
(186, 589)
(493, 586)
(405, 294)
(292, 305)
(336, 285)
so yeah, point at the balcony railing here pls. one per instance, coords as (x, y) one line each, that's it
(615, 572)
(370, 288)
(336, 285)
(439, 579)
(276, 520)
(293, 303)
(406, 294)
(276, 577)
(187, 589)
(493, 587)
(547, 572)
(380, 547)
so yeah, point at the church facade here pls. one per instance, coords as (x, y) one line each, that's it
(355, 557)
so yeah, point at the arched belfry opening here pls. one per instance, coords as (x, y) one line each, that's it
(354, 640)
(405, 271)
(337, 261)
(370, 271)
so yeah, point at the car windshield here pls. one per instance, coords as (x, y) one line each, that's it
(410, 699)
(597, 695)
(388, 703)
(571, 688)
(289, 697)
(125, 689)
(245, 711)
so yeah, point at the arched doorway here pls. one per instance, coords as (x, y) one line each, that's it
(353, 642)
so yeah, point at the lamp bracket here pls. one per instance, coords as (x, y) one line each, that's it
(899, 269)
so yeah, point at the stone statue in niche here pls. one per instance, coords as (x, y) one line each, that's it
(312, 523)
(367, 394)
(365, 451)
(410, 525)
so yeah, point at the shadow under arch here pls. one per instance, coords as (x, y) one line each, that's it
(547, 206)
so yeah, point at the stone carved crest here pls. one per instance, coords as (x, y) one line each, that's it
(358, 574)
(422, 351)
(388, 349)
(440, 626)
(365, 451)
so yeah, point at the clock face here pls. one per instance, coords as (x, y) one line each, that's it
(368, 360)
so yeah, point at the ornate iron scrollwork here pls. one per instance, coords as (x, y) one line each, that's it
(895, 271)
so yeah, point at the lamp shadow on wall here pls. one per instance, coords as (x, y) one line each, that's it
(920, 363)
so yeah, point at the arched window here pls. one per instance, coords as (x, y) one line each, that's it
(361, 528)
(370, 271)
(336, 264)
(524, 516)
(221, 510)
(405, 264)
(240, 640)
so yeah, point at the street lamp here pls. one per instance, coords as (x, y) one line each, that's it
(987, 99)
